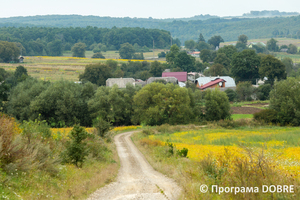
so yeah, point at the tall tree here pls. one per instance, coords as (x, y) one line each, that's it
(190, 44)
(126, 51)
(9, 52)
(171, 55)
(243, 39)
(272, 68)
(272, 45)
(201, 38)
(245, 65)
(78, 50)
(96, 73)
(215, 40)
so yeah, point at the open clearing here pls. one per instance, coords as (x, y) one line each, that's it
(136, 178)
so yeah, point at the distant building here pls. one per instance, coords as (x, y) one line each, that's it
(120, 82)
(181, 76)
(230, 83)
(217, 83)
(195, 54)
(167, 79)
(21, 59)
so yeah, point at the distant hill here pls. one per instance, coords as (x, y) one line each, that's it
(184, 28)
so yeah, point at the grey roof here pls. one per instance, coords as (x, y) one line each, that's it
(229, 81)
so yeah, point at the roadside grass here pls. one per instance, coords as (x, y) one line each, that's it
(241, 157)
(62, 181)
(241, 116)
(250, 104)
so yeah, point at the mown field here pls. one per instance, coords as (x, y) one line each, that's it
(56, 68)
(249, 156)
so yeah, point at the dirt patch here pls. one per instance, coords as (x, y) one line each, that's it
(258, 104)
(244, 110)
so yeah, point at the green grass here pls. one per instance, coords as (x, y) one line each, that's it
(241, 116)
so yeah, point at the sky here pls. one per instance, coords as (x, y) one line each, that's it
(143, 9)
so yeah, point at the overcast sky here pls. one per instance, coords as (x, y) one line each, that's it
(144, 9)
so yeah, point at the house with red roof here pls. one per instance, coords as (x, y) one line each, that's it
(217, 83)
(181, 76)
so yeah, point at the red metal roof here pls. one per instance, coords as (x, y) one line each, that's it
(181, 76)
(212, 83)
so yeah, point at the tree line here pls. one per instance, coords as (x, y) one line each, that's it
(34, 41)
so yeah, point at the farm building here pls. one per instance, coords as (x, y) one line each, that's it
(167, 79)
(217, 83)
(230, 83)
(120, 82)
(180, 76)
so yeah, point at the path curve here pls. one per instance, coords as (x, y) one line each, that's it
(136, 178)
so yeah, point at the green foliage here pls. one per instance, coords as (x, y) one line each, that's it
(201, 38)
(172, 54)
(162, 54)
(206, 56)
(55, 48)
(184, 61)
(245, 66)
(288, 62)
(76, 149)
(215, 40)
(126, 51)
(264, 91)
(96, 73)
(228, 50)
(190, 44)
(138, 56)
(183, 152)
(231, 94)
(98, 55)
(284, 98)
(244, 91)
(223, 60)
(203, 45)
(217, 70)
(9, 52)
(243, 39)
(292, 49)
(102, 126)
(78, 50)
(272, 68)
(266, 115)
(271, 45)
(157, 104)
(217, 105)
(156, 69)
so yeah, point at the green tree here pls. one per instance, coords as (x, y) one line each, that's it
(55, 48)
(76, 149)
(157, 104)
(205, 55)
(78, 50)
(203, 45)
(172, 54)
(229, 50)
(201, 38)
(190, 44)
(217, 105)
(284, 98)
(288, 62)
(184, 61)
(272, 68)
(223, 60)
(126, 51)
(96, 73)
(9, 52)
(98, 55)
(20, 73)
(272, 45)
(292, 49)
(240, 46)
(156, 68)
(245, 65)
(243, 39)
(244, 91)
(215, 40)
(216, 70)
(263, 91)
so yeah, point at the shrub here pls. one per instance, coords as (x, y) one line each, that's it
(232, 95)
(102, 126)
(76, 149)
(98, 55)
(263, 92)
(266, 115)
(183, 152)
(244, 91)
(217, 106)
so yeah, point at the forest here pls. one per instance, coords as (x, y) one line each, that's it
(52, 41)
(183, 29)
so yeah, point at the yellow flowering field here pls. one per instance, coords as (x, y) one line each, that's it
(281, 144)
(123, 128)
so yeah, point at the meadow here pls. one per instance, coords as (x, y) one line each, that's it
(65, 67)
(248, 156)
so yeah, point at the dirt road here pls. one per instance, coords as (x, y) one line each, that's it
(136, 178)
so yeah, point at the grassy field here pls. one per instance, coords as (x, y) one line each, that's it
(281, 41)
(241, 116)
(242, 157)
(55, 68)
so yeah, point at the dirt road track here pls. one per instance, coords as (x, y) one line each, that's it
(136, 179)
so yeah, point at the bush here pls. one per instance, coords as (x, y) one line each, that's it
(76, 150)
(217, 106)
(267, 116)
(102, 126)
(231, 94)
(98, 55)
(263, 92)
(183, 152)
(244, 91)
